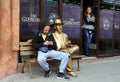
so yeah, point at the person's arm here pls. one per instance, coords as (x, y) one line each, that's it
(53, 45)
(68, 42)
(36, 43)
(88, 22)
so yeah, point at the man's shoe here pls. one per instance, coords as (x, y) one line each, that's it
(47, 73)
(71, 73)
(62, 76)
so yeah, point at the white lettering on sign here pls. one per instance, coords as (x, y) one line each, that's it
(71, 22)
(32, 18)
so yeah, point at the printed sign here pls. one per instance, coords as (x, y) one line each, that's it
(50, 11)
(71, 20)
(106, 24)
(29, 17)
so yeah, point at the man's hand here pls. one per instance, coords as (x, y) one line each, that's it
(51, 42)
(48, 43)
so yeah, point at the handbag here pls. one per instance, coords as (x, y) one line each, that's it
(44, 49)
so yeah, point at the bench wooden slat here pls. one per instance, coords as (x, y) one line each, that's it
(76, 57)
(25, 53)
(25, 43)
(31, 60)
(26, 48)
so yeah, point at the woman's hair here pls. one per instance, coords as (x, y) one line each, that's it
(91, 9)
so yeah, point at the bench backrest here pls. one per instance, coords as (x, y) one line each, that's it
(26, 49)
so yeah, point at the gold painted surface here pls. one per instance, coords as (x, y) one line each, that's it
(63, 44)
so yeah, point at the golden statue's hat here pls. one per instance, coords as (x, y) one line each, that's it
(57, 21)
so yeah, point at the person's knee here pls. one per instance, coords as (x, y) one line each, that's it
(66, 56)
(40, 60)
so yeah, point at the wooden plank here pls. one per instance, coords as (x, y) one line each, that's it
(76, 57)
(25, 43)
(26, 48)
(25, 53)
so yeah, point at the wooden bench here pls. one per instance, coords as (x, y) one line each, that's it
(28, 55)
(26, 49)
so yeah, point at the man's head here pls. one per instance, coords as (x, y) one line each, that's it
(58, 25)
(45, 27)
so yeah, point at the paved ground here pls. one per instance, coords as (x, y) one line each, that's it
(92, 70)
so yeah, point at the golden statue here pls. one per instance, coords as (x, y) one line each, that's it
(64, 45)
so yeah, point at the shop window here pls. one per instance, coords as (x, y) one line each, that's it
(106, 28)
(29, 17)
(106, 19)
(51, 10)
(117, 28)
(71, 16)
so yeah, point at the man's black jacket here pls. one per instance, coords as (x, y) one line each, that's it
(38, 41)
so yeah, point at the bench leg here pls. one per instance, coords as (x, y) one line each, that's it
(30, 69)
(22, 70)
(78, 65)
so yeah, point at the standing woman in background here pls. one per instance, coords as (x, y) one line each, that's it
(88, 28)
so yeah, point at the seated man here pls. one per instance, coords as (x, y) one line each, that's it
(45, 44)
(64, 45)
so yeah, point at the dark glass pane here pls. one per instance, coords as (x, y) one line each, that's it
(105, 48)
(29, 17)
(72, 2)
(117, 4)
(51, 0)
(117, 48)
(107, 4)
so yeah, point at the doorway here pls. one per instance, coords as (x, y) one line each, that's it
(93, 45)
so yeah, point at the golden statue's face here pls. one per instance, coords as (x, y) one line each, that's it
(58, 28)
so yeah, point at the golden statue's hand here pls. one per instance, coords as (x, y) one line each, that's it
(68, 43)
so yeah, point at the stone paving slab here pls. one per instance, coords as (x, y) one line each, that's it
(92, 70)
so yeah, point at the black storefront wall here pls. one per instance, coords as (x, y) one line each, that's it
(107, 35)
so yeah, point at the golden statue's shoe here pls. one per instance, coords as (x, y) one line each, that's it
(71, 73)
